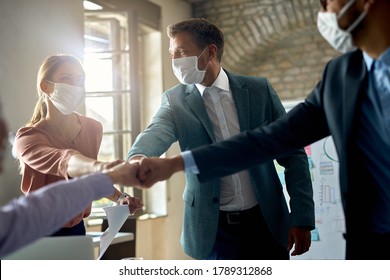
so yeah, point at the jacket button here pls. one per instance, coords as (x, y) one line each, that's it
(216, 200)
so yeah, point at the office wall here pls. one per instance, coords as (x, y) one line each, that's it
(29, 31)
(275, 39)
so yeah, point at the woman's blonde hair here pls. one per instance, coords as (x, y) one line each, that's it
(48, 67)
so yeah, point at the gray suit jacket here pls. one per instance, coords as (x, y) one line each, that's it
(182, 117)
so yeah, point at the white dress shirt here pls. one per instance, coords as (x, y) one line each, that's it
(236, 190)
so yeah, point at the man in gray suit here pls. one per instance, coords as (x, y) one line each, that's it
(245, 215)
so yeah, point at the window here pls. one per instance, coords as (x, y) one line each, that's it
(118, 44)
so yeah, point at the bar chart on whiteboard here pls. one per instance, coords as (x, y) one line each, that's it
(327, 237)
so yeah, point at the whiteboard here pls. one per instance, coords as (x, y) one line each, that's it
(327, 237)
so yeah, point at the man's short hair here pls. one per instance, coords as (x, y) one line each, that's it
(203, 31)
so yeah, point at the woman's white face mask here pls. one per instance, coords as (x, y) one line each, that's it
(186, 70)
(339, 39)
(67, 98)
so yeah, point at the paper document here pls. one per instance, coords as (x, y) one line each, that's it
(116, 216)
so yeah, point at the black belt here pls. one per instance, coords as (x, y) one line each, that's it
(237, 217)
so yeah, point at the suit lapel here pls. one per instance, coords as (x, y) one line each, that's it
(241, 100)
(352, 90)
(195, 102)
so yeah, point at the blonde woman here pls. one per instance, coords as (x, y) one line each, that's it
(59, 143)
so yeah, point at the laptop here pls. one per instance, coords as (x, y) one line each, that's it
(56, 248)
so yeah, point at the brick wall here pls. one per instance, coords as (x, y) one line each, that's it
(294, 64)
(275, 39)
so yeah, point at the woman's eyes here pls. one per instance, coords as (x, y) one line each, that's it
(73, 81)
(65, 79)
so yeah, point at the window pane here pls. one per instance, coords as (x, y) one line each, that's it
(107, 71)
(98, 31)
(114, 146)
(99, 74)
(102, 110)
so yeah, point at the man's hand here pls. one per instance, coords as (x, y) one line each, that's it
(110, 164)
(124, 174)
(301, 237)
(136, 158)
(152, 170)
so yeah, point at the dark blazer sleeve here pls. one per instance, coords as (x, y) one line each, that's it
(301, 126)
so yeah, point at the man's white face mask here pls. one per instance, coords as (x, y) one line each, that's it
(67, 98)
(186, 70)
(339, 39)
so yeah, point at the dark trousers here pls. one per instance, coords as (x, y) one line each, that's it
(369, 246)
(78, 229)
(244, 235)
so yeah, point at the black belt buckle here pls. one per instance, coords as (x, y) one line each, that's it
(233, 218)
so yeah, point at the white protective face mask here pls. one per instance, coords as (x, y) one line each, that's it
(67, 98)
(339, 39)
(186, 70)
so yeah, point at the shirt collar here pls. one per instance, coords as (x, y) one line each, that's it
(384, 57)
(368, 60)
(221, 82)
